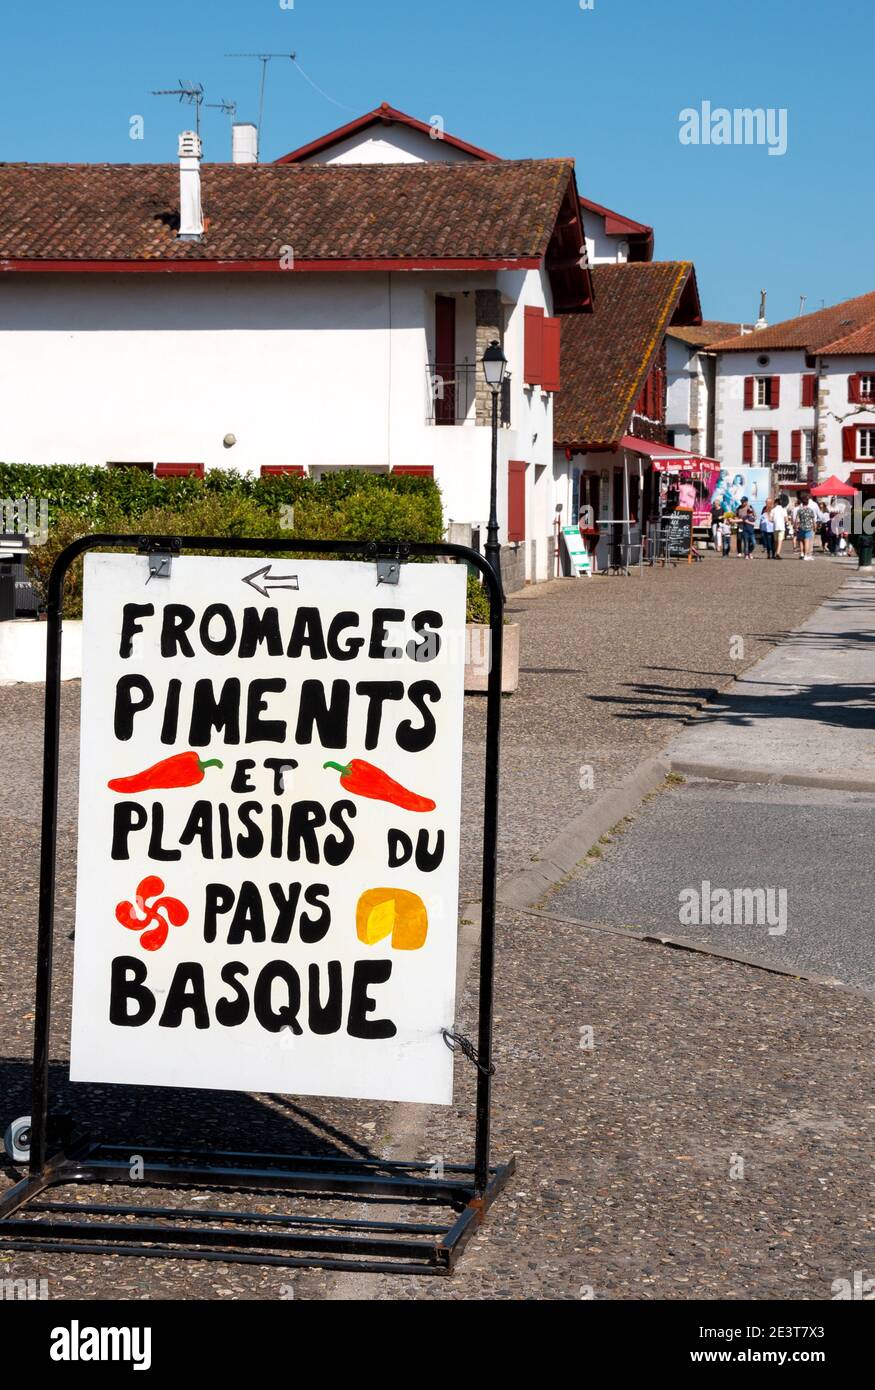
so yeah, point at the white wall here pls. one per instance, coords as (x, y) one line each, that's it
(731, 417)
(680, 363)
(394, 144)
(834, 403)
(601, 248)
(318, 370)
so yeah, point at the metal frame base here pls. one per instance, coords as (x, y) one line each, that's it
(28, 1221)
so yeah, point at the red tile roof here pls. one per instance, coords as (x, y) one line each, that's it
(810, 332)
(705, 333)
(615, 223)
(97, 216)
(606, 357)
(861, 340)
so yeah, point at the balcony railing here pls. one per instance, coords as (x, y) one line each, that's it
(451, 395)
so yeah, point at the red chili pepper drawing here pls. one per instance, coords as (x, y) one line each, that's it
(177, 913)
(182, 770)
(363, 779)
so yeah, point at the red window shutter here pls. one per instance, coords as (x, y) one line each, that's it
(775, 400)
(533, 366)
(281, 470)
(796, 446)
(516, 500)
(414, 470)
(747, 447)
(552, 344)
(748, 393)
(808, 390)
(854, 388)
(849, 444)
(179, 470)
(773, 446)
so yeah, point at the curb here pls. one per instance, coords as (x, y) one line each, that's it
(700, 948)
(558, 858)
(826, 781)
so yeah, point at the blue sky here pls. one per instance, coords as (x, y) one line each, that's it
(521, 78)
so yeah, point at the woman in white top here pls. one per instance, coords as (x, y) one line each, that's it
(779, 526)
(767, 528)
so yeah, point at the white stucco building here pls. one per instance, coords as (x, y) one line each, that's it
(799, 396)
(690, 373)
(326, 314)
(318, 318)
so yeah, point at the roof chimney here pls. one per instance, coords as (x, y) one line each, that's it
(191, 219)
(244, 143)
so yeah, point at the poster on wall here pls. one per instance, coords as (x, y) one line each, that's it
(731, 484)
(268, 854)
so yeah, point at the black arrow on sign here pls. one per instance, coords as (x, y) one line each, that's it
(269, 581)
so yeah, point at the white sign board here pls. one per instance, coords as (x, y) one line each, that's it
(581, 560)
(270, 789)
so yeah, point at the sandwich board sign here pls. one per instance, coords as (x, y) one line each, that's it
(268, 853)
(578, 554)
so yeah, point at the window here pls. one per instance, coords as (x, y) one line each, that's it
(808, 446)
(125, 463)
(867, 388)
(761, 447)
(866, 444)
(762, 392)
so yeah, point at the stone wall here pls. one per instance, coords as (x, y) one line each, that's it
(489, 325)
(513, 566)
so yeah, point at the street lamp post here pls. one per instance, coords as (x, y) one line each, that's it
(494, 367)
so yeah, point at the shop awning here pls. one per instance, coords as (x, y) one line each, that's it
(665, 456)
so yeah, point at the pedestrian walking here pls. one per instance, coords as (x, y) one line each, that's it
(779, 524)
(807, 517)
(747, 520)
(716, 520)
(767, 529)
(792, 513)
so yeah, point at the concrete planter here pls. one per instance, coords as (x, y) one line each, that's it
(477, 647)
(23, 651)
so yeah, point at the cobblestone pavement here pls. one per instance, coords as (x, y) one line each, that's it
(623, 1182)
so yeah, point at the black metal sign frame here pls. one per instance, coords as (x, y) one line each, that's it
(60, 1156)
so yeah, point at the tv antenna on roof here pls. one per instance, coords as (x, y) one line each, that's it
(264, 59)
(229, 107)
(190, 92)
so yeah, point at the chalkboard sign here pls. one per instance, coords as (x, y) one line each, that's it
(679, 532)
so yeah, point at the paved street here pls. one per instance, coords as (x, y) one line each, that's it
(624, 1151)
(804, 847)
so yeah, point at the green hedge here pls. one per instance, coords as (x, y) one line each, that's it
(97, 493)
(349, 505)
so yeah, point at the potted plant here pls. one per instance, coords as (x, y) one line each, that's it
(478, 644)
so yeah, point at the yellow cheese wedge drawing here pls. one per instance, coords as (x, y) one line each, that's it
(381, 920)
(381, 911)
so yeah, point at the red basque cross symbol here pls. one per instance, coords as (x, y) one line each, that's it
(177, 913)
